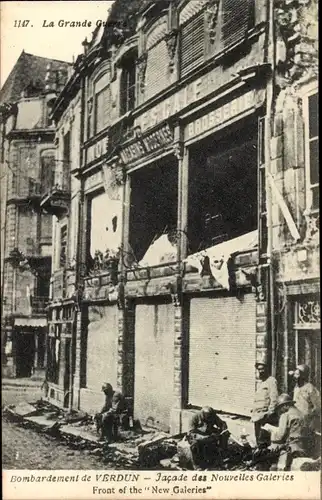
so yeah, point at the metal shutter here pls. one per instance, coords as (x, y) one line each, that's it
(222, 353)
(190, 10)
(101, 364)
(156, 78)
(154, 360)
(192, 43)
(236, 18)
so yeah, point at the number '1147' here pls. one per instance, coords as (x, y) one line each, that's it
(21, 24)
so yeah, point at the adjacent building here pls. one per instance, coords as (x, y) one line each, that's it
(187, 231)
(27, 160)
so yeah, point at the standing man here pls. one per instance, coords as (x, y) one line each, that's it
(265, 402)
(308, 400)
(306, 395)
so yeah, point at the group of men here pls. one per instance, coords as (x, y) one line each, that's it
(285, 422)
(284, 426)
(281, 422)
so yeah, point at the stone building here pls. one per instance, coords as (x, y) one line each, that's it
(193, 239)
(27, 159)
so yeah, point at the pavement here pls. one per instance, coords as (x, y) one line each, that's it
(23, 404)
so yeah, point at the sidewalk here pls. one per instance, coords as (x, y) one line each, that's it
(20, 390)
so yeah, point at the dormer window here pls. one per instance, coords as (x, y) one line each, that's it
(128, 82)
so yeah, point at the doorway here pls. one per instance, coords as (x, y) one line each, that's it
(308, 352)
(25, 353)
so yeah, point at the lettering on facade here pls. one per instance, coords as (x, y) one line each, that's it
(147, 144)
(220, 115)
(94, 180)
(179, 100)
(97, 150)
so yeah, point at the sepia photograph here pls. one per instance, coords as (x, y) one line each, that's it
(160, 275)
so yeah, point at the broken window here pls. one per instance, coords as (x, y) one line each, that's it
(104, 216)
(153, 213)
(222, 187)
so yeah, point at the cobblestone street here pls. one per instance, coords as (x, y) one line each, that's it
(24, 448)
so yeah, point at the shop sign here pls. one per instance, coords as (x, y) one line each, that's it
(189, 94)
(97, 150)
(221, 115)
(147, 144)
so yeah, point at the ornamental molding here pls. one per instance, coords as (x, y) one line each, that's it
(171, 39)
(141, 65)
(212, 18)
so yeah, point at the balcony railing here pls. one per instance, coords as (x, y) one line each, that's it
(56, 192)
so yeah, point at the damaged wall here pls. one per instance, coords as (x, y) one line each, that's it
(296, 69)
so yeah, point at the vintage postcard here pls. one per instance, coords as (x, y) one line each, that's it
(160, 291)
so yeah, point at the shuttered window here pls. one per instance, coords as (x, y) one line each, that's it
(192, 43)
(156, 71)
(102, 109)
(238, 17)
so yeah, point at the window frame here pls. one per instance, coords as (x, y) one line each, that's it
(308, 92)
(125, 87)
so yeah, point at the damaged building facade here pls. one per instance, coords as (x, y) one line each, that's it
(190, 237)
(27, 158)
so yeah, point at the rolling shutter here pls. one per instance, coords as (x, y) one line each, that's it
(237, 17)
(222, 353)
(157, 70)
(192, 43)
(154, 364)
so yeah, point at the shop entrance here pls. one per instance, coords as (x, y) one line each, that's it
(25, 354)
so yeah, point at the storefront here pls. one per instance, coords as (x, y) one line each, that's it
(222, 222)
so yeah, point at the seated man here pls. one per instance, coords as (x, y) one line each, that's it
(108, 419)
(291, 434)
(207, 437)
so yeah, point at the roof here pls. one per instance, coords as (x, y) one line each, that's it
(29, 70)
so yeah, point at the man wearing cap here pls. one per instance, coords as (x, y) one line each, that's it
(306, 396)
(265, 401)
(205, 441)
(108, 418)
(291, 433)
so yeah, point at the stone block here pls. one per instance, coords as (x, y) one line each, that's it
(276, 147)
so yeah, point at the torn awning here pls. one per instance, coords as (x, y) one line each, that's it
(219, 255)
(161, 251)
(37, 322)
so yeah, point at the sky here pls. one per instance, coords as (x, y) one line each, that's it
(54, 42)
